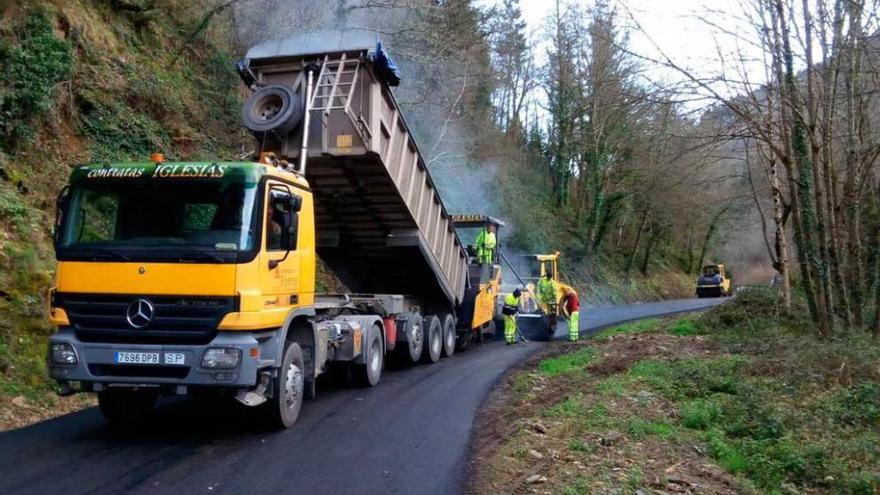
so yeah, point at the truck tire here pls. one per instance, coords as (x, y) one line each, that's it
(448, 323)
(272, 109)
(368, 374)
(433, 347)
(126, 407)
(411, 350)
(282, 409)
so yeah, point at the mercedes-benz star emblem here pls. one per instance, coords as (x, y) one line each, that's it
(140, 313)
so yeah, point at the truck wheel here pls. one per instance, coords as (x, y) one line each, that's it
(433, 340)
(276, 109)
(448, 335)
(126, 407)
(282, 409)
(415, 337)
(369, 373)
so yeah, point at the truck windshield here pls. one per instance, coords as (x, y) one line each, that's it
(174, 218)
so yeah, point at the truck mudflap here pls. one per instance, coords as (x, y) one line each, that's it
(231, 359)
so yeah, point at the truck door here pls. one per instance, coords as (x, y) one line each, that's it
(280, 259)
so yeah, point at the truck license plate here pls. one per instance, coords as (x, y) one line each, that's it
(137, 357)
(172, 358)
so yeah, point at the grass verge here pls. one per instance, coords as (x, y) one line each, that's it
(741, 399)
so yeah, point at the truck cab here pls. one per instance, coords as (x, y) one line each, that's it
(177, 275)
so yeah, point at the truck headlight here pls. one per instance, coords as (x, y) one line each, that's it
(63, 354)
(221, 357)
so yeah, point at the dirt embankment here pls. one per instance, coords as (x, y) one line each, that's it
(745, 398)
(574, 432)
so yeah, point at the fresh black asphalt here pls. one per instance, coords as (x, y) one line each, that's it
(409, 435)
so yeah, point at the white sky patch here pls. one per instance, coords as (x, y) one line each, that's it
(710, 38)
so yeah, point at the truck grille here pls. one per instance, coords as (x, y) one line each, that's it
(175, 319)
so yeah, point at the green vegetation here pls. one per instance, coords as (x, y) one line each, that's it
(83, 82)
(686, 326)
(571, 407)
(771, 410)
(639, 428)
(29, 73)
(566, 363)
(579, 487)
(749, 384)
(634, 327)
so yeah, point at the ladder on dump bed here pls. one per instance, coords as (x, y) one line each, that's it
(334, 91)
(335, 84)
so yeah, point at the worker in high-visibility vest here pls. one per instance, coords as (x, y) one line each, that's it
(571, 307)
(485, 244)
(508, 314)
(547, 293)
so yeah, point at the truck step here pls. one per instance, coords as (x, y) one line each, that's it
(250, 398)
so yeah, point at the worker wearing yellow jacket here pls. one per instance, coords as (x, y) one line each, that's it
(486, 243)
(571, 308)
(508, 313)
(547, 294)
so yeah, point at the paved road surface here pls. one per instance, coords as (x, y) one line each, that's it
(408, 436)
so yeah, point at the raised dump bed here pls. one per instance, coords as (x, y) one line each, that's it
(380, 223)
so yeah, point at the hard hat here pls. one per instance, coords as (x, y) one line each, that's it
(516, 292)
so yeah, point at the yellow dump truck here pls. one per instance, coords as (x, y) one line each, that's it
(714, 281)
(174, 277)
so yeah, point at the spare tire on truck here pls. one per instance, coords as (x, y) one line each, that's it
(272, 110)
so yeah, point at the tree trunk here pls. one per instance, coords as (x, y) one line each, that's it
(811, 265)
(649, 248)
(632, 255)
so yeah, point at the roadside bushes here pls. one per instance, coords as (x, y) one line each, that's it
(858, 406)
(775, 404)
(29, 73)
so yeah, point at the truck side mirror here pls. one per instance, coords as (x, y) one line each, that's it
(288, 204)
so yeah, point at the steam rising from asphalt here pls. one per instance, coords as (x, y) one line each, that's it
(465, 186)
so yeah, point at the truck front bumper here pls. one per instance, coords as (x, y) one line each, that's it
(96, 363)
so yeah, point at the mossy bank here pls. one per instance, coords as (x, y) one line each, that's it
(83, 82)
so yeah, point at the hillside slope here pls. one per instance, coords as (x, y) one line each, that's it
(90, 81)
